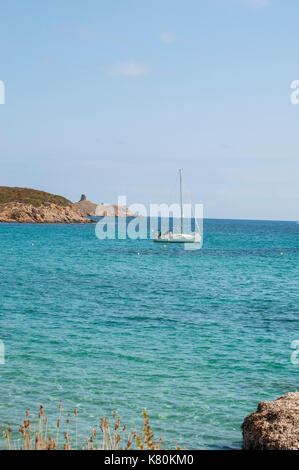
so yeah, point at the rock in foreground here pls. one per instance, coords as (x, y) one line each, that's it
(274, 426)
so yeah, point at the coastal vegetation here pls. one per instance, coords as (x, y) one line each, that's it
(35, 434)
(30, 196)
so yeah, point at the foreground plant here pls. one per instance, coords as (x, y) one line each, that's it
(35, 435)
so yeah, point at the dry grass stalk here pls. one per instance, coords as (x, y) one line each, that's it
(103, 438)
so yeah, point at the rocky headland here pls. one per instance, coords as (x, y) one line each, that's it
(24, 205)
(274, 426)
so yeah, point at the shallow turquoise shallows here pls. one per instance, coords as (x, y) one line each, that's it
(196, 338)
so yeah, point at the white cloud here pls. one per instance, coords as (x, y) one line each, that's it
(256, 3)
(129, 69)
(167, 37)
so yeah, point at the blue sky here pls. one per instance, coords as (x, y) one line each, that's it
(112, 97)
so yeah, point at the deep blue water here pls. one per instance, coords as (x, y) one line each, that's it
(197, 338)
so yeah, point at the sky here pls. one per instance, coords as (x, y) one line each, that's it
(111, 98)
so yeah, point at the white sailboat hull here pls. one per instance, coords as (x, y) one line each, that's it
(178, 238)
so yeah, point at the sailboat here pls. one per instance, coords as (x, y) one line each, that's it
(170, 237)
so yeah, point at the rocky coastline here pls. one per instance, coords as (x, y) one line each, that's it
(25, 205)
(47, 213)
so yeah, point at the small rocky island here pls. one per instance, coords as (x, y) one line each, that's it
(274, 426)
(25, 205)
(103, 210)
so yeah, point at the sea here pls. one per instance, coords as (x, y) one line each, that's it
(196, 338)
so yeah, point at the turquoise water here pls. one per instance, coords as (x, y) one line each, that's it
(197, 338)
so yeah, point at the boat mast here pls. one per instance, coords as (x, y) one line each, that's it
(181, 200)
